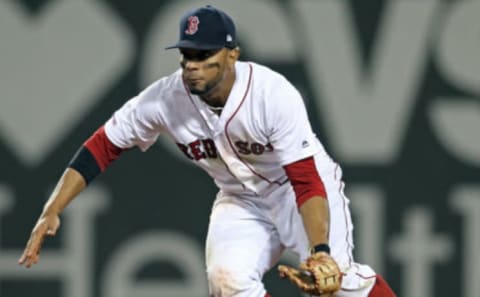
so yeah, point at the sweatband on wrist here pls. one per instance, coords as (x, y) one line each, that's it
(320, 248)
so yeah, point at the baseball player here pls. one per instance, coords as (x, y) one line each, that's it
(247, 127)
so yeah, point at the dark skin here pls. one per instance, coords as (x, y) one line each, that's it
(210, 75)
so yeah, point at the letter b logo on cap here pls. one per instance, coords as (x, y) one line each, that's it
(192, 26)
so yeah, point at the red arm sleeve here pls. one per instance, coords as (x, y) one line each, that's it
(305, 180)
(102, 149)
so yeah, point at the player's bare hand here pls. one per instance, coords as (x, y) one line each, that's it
(47, 225)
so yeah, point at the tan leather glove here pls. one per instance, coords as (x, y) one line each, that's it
(319, 275)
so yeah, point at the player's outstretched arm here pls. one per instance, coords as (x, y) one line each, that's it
(68, 187)
(96, 154)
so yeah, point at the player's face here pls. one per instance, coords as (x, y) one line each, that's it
(204, 70)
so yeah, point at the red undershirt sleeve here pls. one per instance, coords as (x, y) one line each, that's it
(306, 182)
(95, 155)
(102, 149)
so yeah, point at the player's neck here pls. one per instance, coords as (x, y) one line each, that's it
(217, 97)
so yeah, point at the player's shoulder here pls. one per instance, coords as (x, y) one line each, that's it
(269, 84)
(269, 79)
(165, 86)
(266, 74)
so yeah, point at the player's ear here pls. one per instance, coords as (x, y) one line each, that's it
(233, 54)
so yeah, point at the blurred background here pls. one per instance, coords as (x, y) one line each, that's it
(392, 89)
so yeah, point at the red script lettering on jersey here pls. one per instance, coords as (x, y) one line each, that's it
(199, 149)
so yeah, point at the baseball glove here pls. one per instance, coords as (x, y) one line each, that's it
(319, 275)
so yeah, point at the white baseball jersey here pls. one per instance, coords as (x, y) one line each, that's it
(263, 126)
